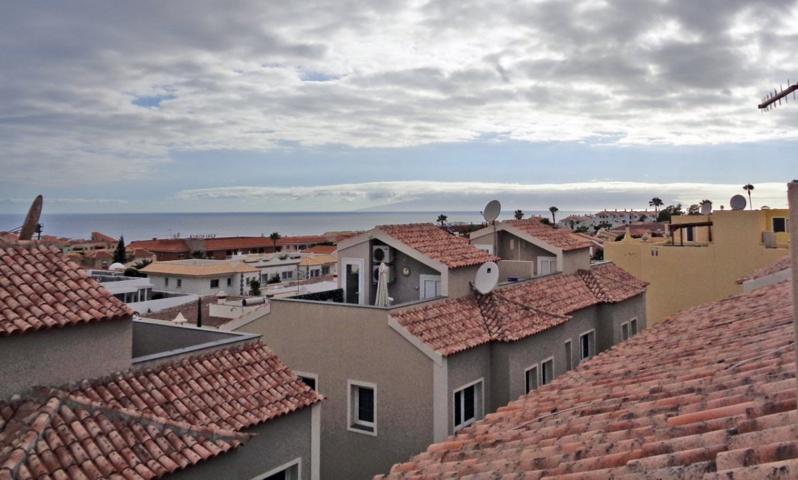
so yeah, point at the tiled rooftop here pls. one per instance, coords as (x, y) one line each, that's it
(195, 267)
(173, 245)
(778, 266)
(234, 388)
(515, 311)
(708, 394)
(40, 289)
(557, 237)
(145, 424)
(435, 243)
(51, 434)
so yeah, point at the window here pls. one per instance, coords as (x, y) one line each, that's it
(325, 270)
(690, 234)
(287, 275)
(363, 407)
(624, 331)
(569, 356)
(779, 224)
(230, 282)
(309, 379)
(429, 286)
(531, 378)
(467, 404)
(634, 326)
(179, 282)
(587, 345)
(166, 281)
(289, 471)
(215, 283)
(546, 371)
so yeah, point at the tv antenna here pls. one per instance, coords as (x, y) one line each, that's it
(31, 225)
(773, 99)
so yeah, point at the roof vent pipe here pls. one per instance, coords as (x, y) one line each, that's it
(792, 193)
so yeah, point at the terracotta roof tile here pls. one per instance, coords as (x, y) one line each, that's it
(515, 311)
(52, 434)
(40, 289)
(171, 245)
(778, 266)
(556, 237)
(437, 244)
(708, 394)
(322, 249)
(196, 267)
(232, 388)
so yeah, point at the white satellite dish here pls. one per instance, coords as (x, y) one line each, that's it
(737, 202)
(492, 211)
(487, 277)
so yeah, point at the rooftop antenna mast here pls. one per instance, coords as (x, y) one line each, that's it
(773, 99)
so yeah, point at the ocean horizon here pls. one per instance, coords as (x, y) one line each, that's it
(142, 226)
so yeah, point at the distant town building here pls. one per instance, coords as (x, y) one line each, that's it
(220, 248)
(202, 277)
(441, 356)
(703, 256)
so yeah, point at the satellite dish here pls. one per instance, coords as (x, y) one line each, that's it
(492, 211)
(737, 202)
(487, 277)
(31, 224)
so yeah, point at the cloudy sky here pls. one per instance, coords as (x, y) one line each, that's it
(357, 104)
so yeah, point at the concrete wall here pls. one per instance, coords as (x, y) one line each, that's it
(60, 355)
(341, 342)
(150, 337)
(467, 367)
(275, 443)
(612, 316)
(681, 277)
(362, 251)
(512, 247)
(576, 260)
(460, 280)
(404, 288)
(515, 268)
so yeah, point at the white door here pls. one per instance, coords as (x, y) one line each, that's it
(429, 286)
(547, 265)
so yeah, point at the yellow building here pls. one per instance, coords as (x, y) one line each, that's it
(703, 257)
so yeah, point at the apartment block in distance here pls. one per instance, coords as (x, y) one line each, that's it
(441, 356)
(702, 257)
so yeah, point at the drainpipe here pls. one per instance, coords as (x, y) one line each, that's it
(792, 194)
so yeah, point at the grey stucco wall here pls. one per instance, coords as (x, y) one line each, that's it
(460, 281)
(362, 251)
(406, 288)
(576, 260)
(150, 337)
(275, 443)
(614, 315)
(340, 343)
(64, 355)
(464, 368)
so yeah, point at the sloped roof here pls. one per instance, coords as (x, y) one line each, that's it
(709, 394)
(778, 266)
(320, 259)
(40, 289)
(433, 242)
(233, 388)
(322, 249)
(557, 237)
(53, 434)
(195, 267)
(515, 311)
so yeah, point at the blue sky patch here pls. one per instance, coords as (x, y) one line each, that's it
(151, 101)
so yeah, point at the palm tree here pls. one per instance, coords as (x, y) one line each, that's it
(656, 202)
(442, 219)
(519, 214)
(554, 211)
(274, 236)
(748, 187)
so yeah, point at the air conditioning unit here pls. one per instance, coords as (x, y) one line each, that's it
(381, 254)
(375, 274)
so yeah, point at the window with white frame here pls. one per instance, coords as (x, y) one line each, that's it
(363, 407)
(624, 331)
(779, 224)
(546, 371)
(468, 404)
(633, 323)
(289, 471)
(587, 345)
(531, 378)
(215, 283)
(569, 356)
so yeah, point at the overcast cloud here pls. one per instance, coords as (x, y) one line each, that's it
(100, 92)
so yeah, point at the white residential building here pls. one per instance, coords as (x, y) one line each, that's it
(202, 277)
